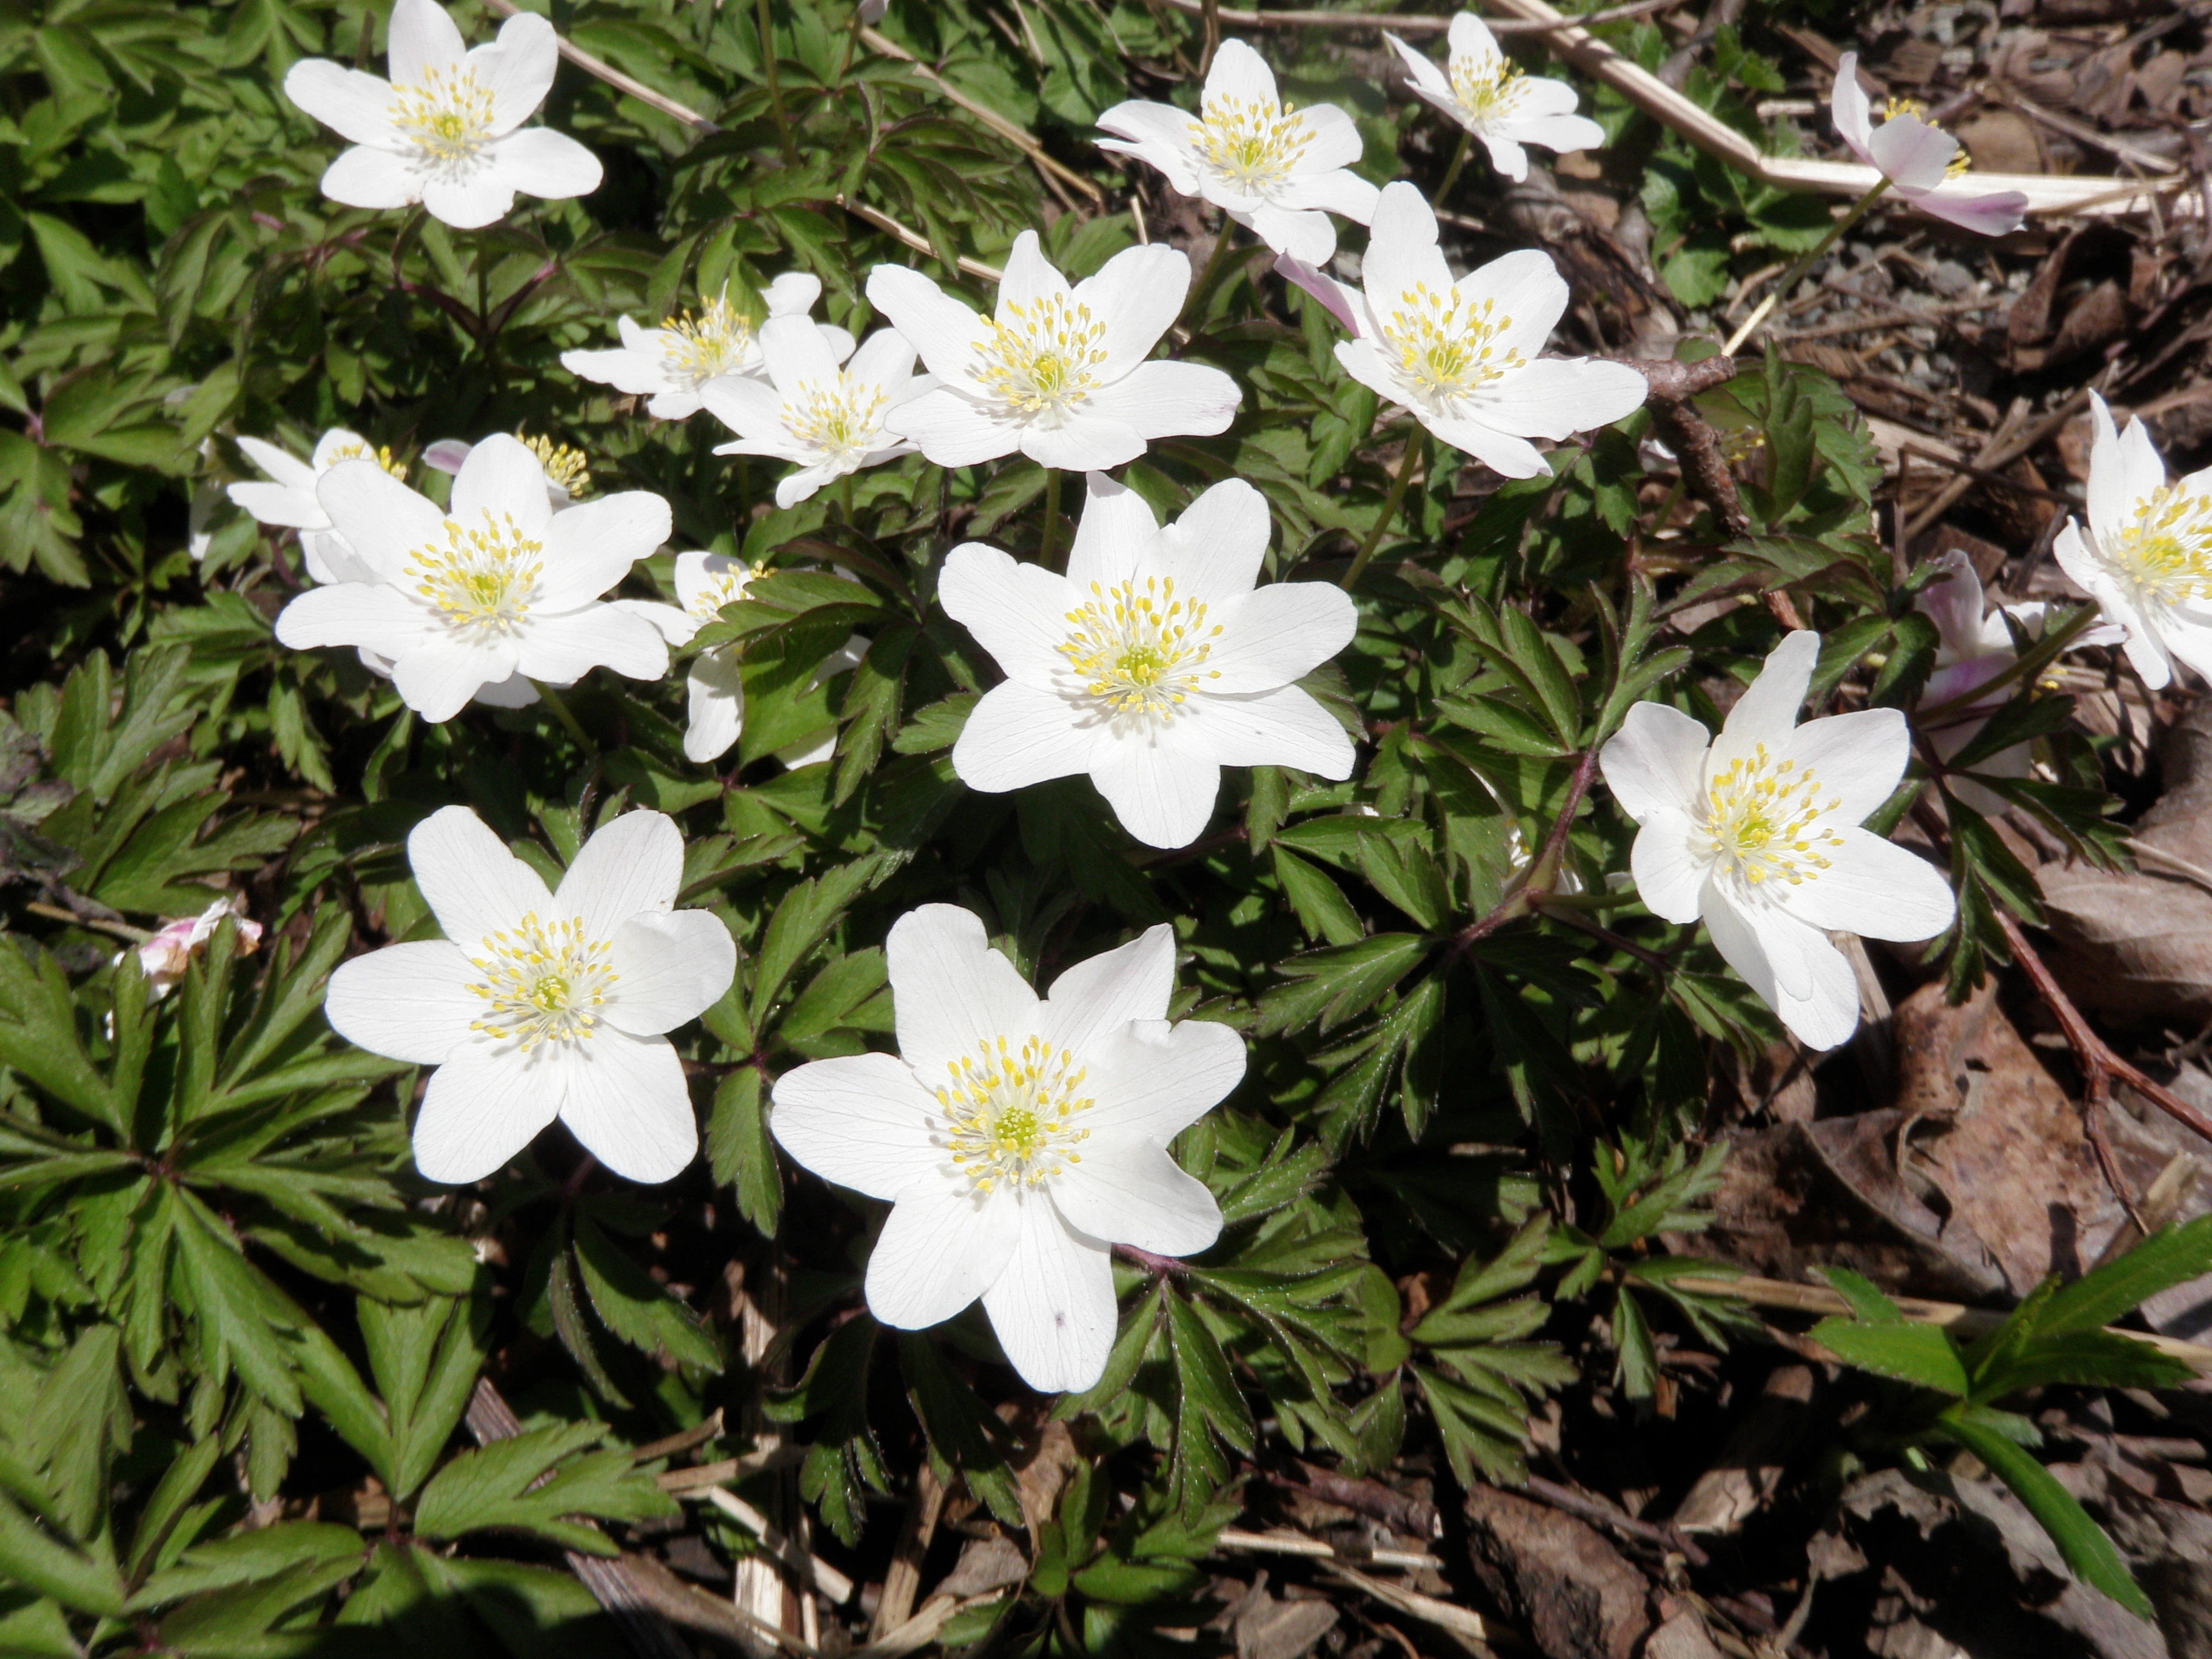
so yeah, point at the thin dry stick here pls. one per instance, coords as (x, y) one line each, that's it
(1664, 1536)
(614, 78)
(1019, 136)
(1407, 23)
(1312, 1549)
(904, 1576)
(1998, 453)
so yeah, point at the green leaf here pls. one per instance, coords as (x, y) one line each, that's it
(740, 1152)
(2105, 1295)
(1921, 1355)
(1211, 1415)
(637, 1310)
(535, 1482)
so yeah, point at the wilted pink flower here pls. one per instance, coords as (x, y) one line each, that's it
(164, 958)
(1924, 164)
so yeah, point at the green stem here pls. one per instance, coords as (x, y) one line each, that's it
(553, 700)
(774, 90)
(845, 497)
(1051, 532)
(2052, 645)
(851, 40)
(1414, 446)
(1789, 278)
(1194, 307)
(1458, 160)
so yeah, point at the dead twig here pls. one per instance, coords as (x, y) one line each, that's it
(1407, 23)
(1663, 1536)
(1312, 1549)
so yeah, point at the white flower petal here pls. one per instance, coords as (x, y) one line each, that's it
(1655, 762)
(438, 676)
(1021, 734)
(1875, 888)
(1103, 992)
(358, 614)
(470, 201)
(1278, 634)
(472, 884)
(479, 1111)
(1564, 133)
(1343, 192)
(1162, 399)
(952, 430)
(278, 504)
(669, 968)
(1131, 1192)
(355, 105)
(1304, 235)
(382, 520)
(715, 695)
(632, 867)
(1848, 109)
(1553, 396)
(1401, 251)
(625, 370)
(941, 1247)
(563, 649)
(1112, 533)
(1087, 441)
(1529, 296)
(423, 37)
(517, 68)
(366, 178)
(945, 331)
(795, 354)
(591, 546)
(1136, 295)
(502, 479)
(1017, 613)
(1669, 875)
(628, 1103)
(861, 1120)
(1052, 1308)
(408, 1002)
(1214, 550)
(951, 992)
(1470, 36)
(1282, 728)
(1857, 758)
(1504, 453)
(1507, 156)
(1913, 155)
(1767, 711)
(1158, 133)
(1161, 788)
(541, 162)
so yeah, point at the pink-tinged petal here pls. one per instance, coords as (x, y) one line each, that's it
(1654, 764)
(1020, 735)
(563, 649)
(411, 1002)
(1112, 532)
(943, 1246)
(1282, 728)
(1953, 601)
(1401, 248)
(1153, 1080)
(1017, 613)
(1240, 73)
(1557, 397)
(1875, 888)
(1214, 550)
(1089, 441)
(358, 106)
(1670, 877)
(951, 993)
(1848, 108)
(1998, 213)
(1052, 1308)
(1137, 294)
(1101, 994)
(1913, 155)
(1132, 1192)
(472, 884)
(1161, 788)
(447, 455)
(366, 178)
(541, 162)
(478, 1112)
(861, 1122)
(482, 199)
(422, 38)
(1341, 302)
(1164, 400)
(628, 1103)
(950, 429)
(1277, 634)
(631, 866)
(591, 546)
(1767, 711)
(944, 331)
(359, 614)
(517, 68)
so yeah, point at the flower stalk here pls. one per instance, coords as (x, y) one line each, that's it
(1790, 278)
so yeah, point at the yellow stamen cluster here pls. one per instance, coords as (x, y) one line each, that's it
(1042, 356)
(1446, 347)
(723, 587)
(1140, 651)
(1763, 820)
(542, 982)
(1251, 146)
(445, 118)
(842, 418)
(1486, 87)
(381, 455)
(714, 343)
(2166, 549)
(481, 580)
(1010, 1112)
(564, 465)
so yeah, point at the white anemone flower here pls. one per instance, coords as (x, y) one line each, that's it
(1279, 171)
(1017, 1139)
(497, 588)
(1925, 164)
(2146, 556)
(1757, 832)
(1060, 373)
(446, 129)
(1152, 664)
(1479, 88)
(672, 364)
(568, 470)
(288, 499)
(828, 421)
(1971, 650)
(539, 1005)
(1462, 355)
(705, 582)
